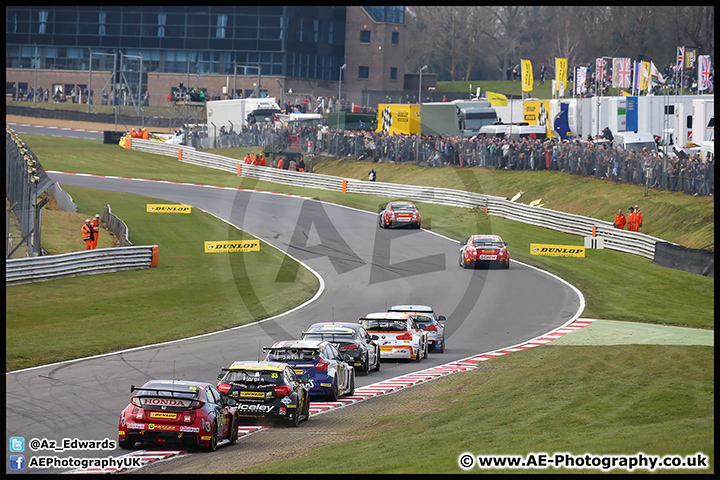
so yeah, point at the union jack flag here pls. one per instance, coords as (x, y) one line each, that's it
(680, 57)
(704, 83)
(624, 73)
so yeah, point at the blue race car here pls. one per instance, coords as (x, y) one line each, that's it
(329, 373)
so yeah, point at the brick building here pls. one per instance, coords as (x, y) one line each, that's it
(298, 50)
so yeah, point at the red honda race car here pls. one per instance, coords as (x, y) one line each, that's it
(484, 250)
(400, 214)
(188, 413)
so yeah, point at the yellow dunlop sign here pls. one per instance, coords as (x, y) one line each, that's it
(557, 250)
(153, 208)
(232, 246)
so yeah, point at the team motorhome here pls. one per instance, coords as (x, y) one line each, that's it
(635, 141)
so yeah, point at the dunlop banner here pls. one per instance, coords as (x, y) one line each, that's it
(556, 250)
(232, 246)
(155, 208)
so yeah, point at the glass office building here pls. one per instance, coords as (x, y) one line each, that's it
(291, 41)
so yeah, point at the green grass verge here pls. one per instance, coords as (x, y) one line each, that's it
(189, 293)
(618, 400)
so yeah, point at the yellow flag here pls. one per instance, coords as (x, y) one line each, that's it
(527, 76)
(496, 99)
(561, 73)
(644, 80)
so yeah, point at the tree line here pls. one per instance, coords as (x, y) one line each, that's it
(461, 43)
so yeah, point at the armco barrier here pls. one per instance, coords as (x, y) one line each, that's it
(621, 240)
(86, 262)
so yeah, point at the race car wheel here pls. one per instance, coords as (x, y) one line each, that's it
(213, 439)
(334, 393)
(463, 263)
(295, 417)
(380, 222)
(506, 265)
(418, 357)
(365, 365)
(128, 444)
(352, 383)
(377, 361)
(307, 409)
(234, 431)
(442, 346)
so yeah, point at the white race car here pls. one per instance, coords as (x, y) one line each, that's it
(426, 319)
(397, 334)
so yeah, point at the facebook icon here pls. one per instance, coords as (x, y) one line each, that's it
(17, 462)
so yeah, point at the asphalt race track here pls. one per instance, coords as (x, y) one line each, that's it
(364, 268)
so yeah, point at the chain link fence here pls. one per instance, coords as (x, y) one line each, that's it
(25, 181)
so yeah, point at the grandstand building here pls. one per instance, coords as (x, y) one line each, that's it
(226, 51)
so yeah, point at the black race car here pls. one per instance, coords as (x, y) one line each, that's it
(351, 339)
(266, 390)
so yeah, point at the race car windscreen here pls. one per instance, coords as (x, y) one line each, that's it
(292, 355)
(402, 208)
(422, 319)
(251, 378)
(478, 242)
(384, 325)
(164, 399)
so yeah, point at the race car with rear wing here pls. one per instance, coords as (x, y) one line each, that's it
(189, 413)
(484, 250)
(432, 323)
(400, 214)
(329, 373)
(351, 339)
(266, 390)
(397, 334)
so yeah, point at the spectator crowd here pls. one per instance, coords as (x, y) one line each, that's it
(599, 159)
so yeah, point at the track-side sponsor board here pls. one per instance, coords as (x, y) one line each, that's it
(556, 250)
(158, 208)
(232, 246)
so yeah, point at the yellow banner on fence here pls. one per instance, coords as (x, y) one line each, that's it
(556, 250)
(232, 246)
(155, 208)
(561, 74)
(527, 76)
